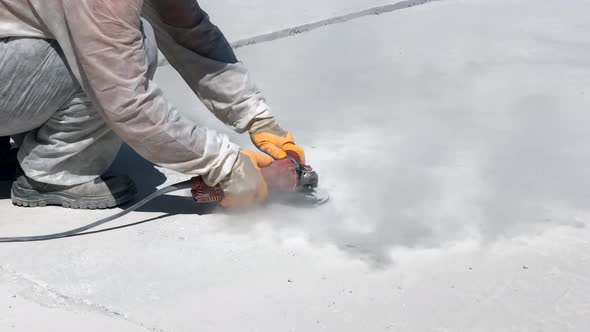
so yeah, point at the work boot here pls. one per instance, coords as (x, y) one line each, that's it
(104, 192)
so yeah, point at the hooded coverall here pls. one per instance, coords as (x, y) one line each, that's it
(76, 78)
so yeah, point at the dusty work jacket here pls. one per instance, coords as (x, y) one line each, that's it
(102, 42)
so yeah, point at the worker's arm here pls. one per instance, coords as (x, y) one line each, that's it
(203, 57)
(103, 43)
(201, 54)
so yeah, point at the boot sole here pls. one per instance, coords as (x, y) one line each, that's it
(31, 198)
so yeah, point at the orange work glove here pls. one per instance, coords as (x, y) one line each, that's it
(245, 186)
(269, 137)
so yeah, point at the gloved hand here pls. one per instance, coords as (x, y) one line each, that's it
(245, 185)
(269, 137)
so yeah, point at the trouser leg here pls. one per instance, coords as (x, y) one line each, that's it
(74, 146)
(67, 142)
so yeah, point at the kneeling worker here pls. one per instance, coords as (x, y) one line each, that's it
(77, 82)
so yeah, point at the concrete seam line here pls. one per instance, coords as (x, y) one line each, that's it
(288, 32)
(41, 289)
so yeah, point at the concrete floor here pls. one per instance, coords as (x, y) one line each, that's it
(453, 139)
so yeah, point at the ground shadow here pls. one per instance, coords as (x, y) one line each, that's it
(147, 179)
(5, 189)
(175, 205)
(145, 175)
(8, 164)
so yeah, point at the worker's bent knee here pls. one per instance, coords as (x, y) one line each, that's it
(37, 81)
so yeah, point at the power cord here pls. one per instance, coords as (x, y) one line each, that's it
(80, 230)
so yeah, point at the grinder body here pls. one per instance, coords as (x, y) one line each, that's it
(282, 176)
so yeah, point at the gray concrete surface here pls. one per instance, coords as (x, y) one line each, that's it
(245, 19)
(453, 139)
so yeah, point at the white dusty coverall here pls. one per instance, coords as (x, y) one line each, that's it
(76, 77)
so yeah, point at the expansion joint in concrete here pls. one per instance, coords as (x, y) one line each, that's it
(288, 32)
